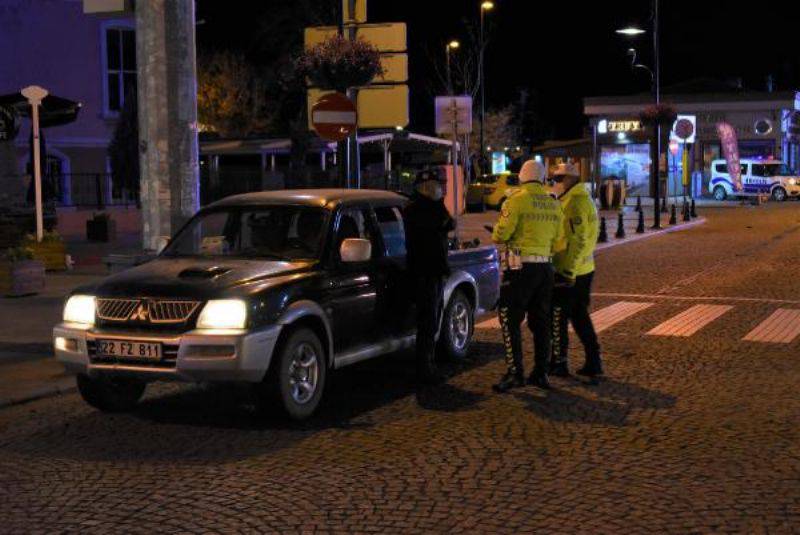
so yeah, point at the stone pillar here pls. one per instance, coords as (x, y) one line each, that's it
(167, 87)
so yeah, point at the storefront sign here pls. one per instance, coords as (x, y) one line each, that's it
(9, 126)
(730, 149)
(624, 126)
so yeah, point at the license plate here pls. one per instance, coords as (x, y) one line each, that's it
(129, 349)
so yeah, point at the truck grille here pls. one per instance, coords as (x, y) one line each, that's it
(154, 311)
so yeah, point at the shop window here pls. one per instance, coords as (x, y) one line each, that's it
(629, 162)
(119, 65)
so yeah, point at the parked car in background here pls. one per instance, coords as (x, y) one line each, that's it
(491, 191)
(271, 289)
(759, 177)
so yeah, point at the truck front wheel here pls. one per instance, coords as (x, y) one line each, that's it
(458, 325)
(296, 379)
(110, 394)
(720, 194)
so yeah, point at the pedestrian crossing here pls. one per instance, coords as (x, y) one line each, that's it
(781, 327)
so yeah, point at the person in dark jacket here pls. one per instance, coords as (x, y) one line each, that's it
(427, 223)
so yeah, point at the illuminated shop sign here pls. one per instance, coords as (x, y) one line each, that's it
(605, 126)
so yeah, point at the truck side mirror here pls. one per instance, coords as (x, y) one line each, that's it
(355, 250)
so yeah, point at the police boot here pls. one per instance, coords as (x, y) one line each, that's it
(592, 368)
(539, 379)
(510, 380)
(559, 369)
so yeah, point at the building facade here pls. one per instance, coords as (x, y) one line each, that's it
(767, 125)
(91, 60)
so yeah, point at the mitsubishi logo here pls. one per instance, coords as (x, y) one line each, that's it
(141, 313)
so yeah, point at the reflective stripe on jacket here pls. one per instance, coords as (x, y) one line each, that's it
(530, 221)
(575, 254)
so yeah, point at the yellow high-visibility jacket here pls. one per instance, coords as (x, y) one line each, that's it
(575, 254)
(531, 221)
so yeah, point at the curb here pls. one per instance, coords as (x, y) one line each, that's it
(65, 385)
(650, 234)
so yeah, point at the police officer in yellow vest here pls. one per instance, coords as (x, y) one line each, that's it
(574, 264)
(529, 227)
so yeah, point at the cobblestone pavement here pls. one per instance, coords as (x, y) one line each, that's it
(695, 434)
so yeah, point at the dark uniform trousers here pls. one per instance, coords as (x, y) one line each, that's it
(526, 291)
(429, 298)
(571, 305)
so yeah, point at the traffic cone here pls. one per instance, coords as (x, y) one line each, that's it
(664, 205)
(673, 215)
(686, 215)
(638, 203)
(620, 226)
(640, 226)
(603, 237)
(694, 209)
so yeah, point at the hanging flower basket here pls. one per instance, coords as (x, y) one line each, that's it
(658, 114)
(338, 64)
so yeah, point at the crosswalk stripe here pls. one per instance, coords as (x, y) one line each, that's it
(603, 319)
(609, 316)
(690, 321)
(781, 327)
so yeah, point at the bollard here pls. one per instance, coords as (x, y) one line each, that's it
(686, 215)
(603, 237)
(694, 209)
(638, 203)
(664, 205)
(620, 227)
(640, 226)
(673, 215)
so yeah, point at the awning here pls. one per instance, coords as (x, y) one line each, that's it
(54, 111)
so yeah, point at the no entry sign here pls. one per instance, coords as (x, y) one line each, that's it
(334, 117)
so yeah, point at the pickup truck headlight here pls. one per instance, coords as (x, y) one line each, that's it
(80, 309)
(792, 181)
(223, 314)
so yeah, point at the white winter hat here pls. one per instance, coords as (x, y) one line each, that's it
(532, 171)
(565, 169)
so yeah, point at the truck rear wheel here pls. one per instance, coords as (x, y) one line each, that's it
(458, 325)
(779, 194)
(118, 394)
(296, 379)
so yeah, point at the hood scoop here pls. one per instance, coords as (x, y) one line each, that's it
(203, 272)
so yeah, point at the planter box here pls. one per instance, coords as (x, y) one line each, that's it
(25, 277)
(103, 230)
(53, 254)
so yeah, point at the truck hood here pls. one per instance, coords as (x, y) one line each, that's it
(198, 278)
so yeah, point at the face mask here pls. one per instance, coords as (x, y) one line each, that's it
(431, 190)
(437, 193)
(557, 187)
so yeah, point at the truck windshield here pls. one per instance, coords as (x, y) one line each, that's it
(274, 233)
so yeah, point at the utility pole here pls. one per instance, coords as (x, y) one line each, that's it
(167, 94)
(485, 6)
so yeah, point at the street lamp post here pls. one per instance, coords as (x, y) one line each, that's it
(452, 45)
(633, 31)
(485, 6)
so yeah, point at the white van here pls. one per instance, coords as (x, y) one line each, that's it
(759, 177)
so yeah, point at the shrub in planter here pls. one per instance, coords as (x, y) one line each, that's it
(51, 251)
(20, 274)
(101, 228)
(338, 63)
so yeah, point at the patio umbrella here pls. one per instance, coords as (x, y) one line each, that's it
(54, 111)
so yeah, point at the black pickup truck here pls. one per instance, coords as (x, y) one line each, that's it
(273, 289)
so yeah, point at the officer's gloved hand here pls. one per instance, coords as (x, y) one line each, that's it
(563, 281)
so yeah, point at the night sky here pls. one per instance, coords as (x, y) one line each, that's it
(564, 50)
